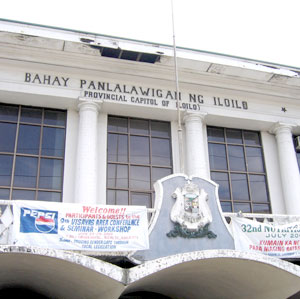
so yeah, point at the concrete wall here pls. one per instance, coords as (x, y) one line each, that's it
(250, 99)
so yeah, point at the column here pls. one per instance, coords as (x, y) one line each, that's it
(289, 171)
(195, 145)
(86, 163)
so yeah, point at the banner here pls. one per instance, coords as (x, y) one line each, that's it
(80, 227)
(274, 240)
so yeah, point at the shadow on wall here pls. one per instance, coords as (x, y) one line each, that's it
(20, 292)
(144, 295)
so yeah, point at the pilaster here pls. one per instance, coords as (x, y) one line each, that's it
(289, 171)
(195, 145)
(86, 162)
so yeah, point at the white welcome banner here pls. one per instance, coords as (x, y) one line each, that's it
(80, 227)
(273, 240)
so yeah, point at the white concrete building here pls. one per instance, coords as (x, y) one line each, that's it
(92, 119)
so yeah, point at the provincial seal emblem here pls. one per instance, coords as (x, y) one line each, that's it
(191, 213)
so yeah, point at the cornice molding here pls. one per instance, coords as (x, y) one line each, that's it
(74, 62)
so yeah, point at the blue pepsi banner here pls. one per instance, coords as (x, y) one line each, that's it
(38, 221)
(80, 227)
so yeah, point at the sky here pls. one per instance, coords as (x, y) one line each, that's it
(264, 30)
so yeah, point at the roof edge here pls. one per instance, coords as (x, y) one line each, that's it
(155, 44)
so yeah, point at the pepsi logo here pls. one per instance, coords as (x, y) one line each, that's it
(38, 221)
(44, 225)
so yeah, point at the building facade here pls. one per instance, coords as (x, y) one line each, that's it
(92, 119)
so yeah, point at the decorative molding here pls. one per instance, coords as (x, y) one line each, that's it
(87, 104)
(194, 117)
(281, 127)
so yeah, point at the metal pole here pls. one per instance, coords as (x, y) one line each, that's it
(181, 158)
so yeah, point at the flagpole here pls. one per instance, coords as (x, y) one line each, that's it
(179, 129)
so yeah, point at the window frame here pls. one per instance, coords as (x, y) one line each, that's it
(131, 191)
(18, 154)
(231, 202)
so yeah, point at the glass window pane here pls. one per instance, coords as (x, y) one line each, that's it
(117, 148)
(111, 175)
(25, 172)
(111, 197)
(31, 115)
(139, 150)
(226, 206)
(161, 152)
(261, 208)
(51, 171)
(49, 196)
(139, 126)
(251, 138)
(159, 173)
(160, 129)
(141, 199)
(55, 118)
(234, 136)
(4, 193)
(121, 197)
(23, 195)
(217, 156)
(140, 178)
(244, 207)
(117, 124)
(29, 139)
(236, 158)
(53, 142)
(223, 181)
(215, 134)
(9, 113)
(122, 176)
(254, 159)
(7, 137)
(258, 188)
(239, 187)
(117, 197)
(5, 169)
(117, 176)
